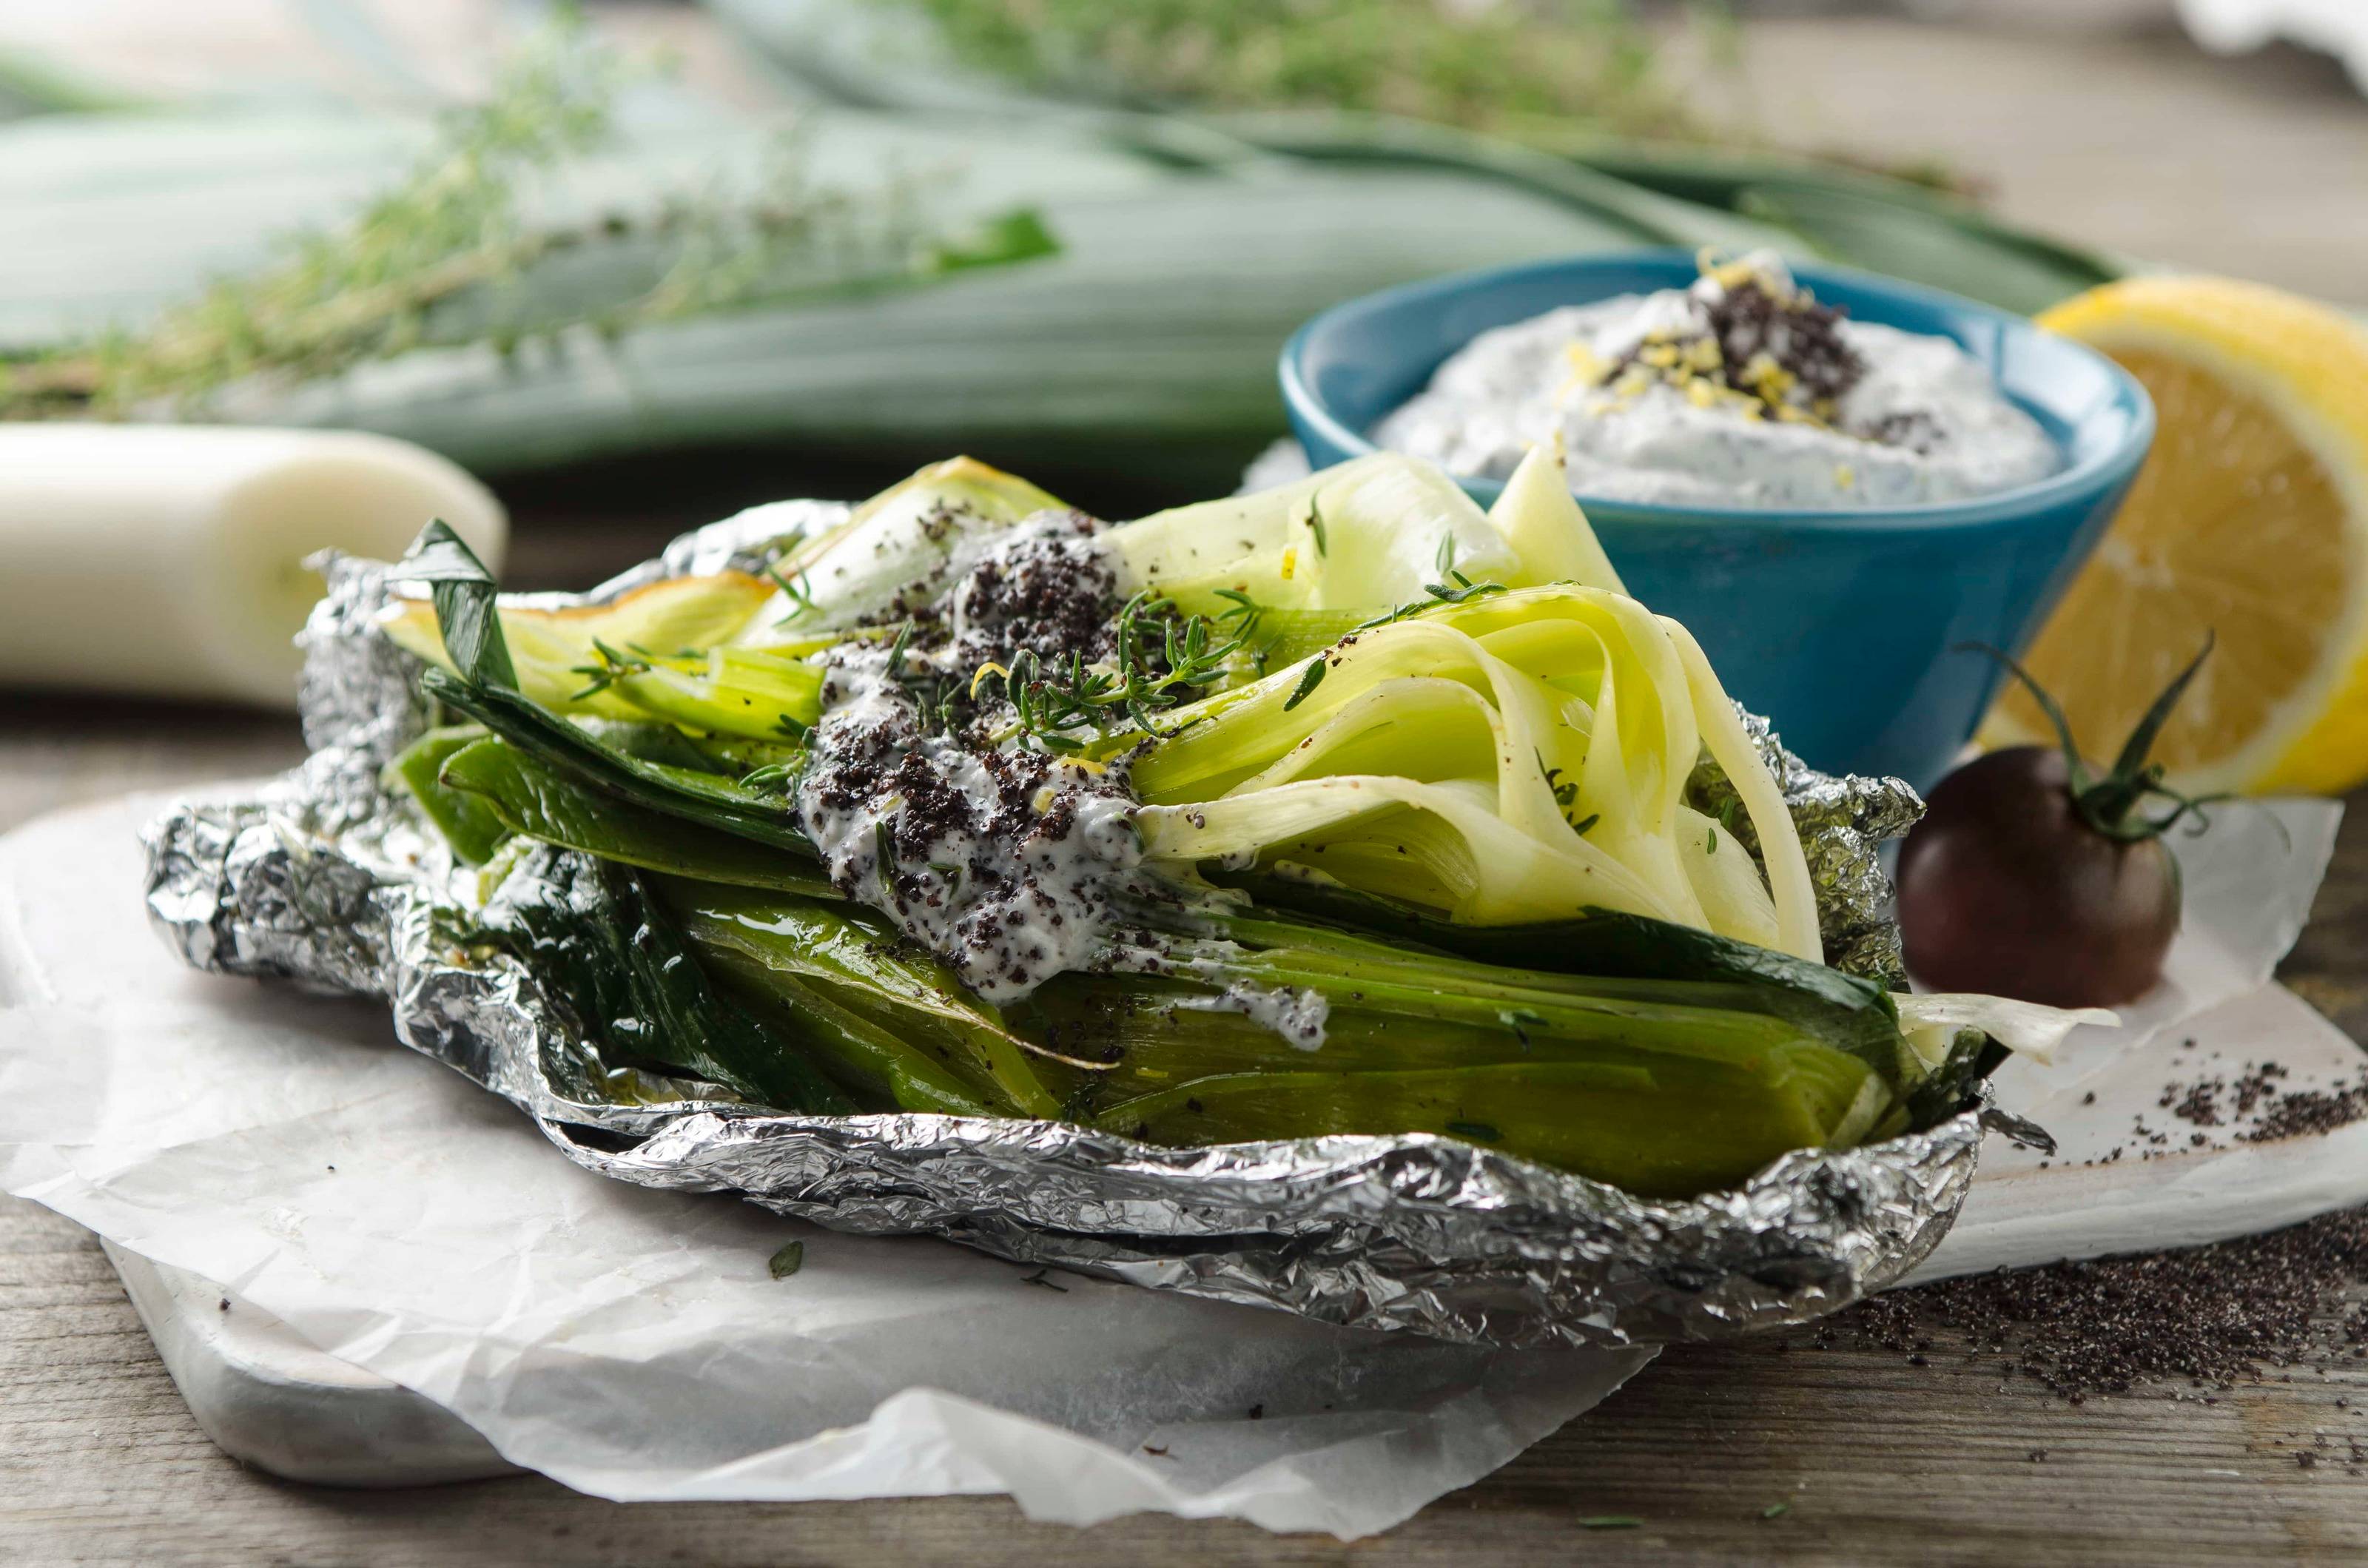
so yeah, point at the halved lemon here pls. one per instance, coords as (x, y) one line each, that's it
(2249, 522)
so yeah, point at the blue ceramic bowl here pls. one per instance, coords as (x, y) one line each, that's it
(1835, 624)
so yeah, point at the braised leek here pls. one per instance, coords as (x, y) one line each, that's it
(1399, 830)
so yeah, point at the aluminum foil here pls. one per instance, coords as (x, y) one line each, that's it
(1843, 824)
(326, 878)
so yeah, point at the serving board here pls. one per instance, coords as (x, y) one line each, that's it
(271, 1399)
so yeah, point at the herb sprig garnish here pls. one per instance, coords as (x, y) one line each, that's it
(782, 775)
(1244, 618)
(799, 591)
(610, 668)
(1462, 591)
(937, 696)
(1162, 658)
(1065, 705)
(1307, 683)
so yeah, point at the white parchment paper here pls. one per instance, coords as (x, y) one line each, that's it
(2111, 1186)
(633, 1343)
(2247, 884)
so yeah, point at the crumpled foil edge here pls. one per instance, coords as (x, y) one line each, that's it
(326, 878)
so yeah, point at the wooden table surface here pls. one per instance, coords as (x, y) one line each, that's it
(2133, 141)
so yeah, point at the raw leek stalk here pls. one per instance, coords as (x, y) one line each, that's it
(188, 545)
(1412, 845)
(1188, 248)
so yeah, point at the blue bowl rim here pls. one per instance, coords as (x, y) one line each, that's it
(2100, 472)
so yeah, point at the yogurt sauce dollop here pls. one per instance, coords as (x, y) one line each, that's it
(1000, 860)
(1741, 390)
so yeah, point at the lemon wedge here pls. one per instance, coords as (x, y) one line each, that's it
(2249, 521)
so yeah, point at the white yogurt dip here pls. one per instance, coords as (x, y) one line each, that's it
(1741, 390)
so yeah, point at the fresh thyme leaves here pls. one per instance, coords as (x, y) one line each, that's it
(1189, 650)
(450, 254)
(1162, 659)
(449, 228)
(1049, 704)
(1775, 1510)
(1245, 615)
(800, 593)
(612, 666)
(782, 775)
(1565, 795)
(898, 650)
(1710, 846)
(1566, 791)
(1307, 684)
(937, 696)
(1464, 591)
(787, 1261)
(1515, 70)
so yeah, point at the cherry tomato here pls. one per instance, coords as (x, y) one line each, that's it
(2005, 887)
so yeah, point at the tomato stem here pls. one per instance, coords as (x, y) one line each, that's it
(2110, 804)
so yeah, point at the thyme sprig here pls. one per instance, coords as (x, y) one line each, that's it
(611, 667)
(1462, 591)
(799, 591)
(1162, 658)
(1307, 683)
(938, 695)
(780, 776)
(449, 256)
(1503, 68)
(1566, 797)
(1244, 616)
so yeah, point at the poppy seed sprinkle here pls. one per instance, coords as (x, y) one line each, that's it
(2209, 1317)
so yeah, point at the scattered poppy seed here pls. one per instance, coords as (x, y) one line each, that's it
(2209, 1317)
